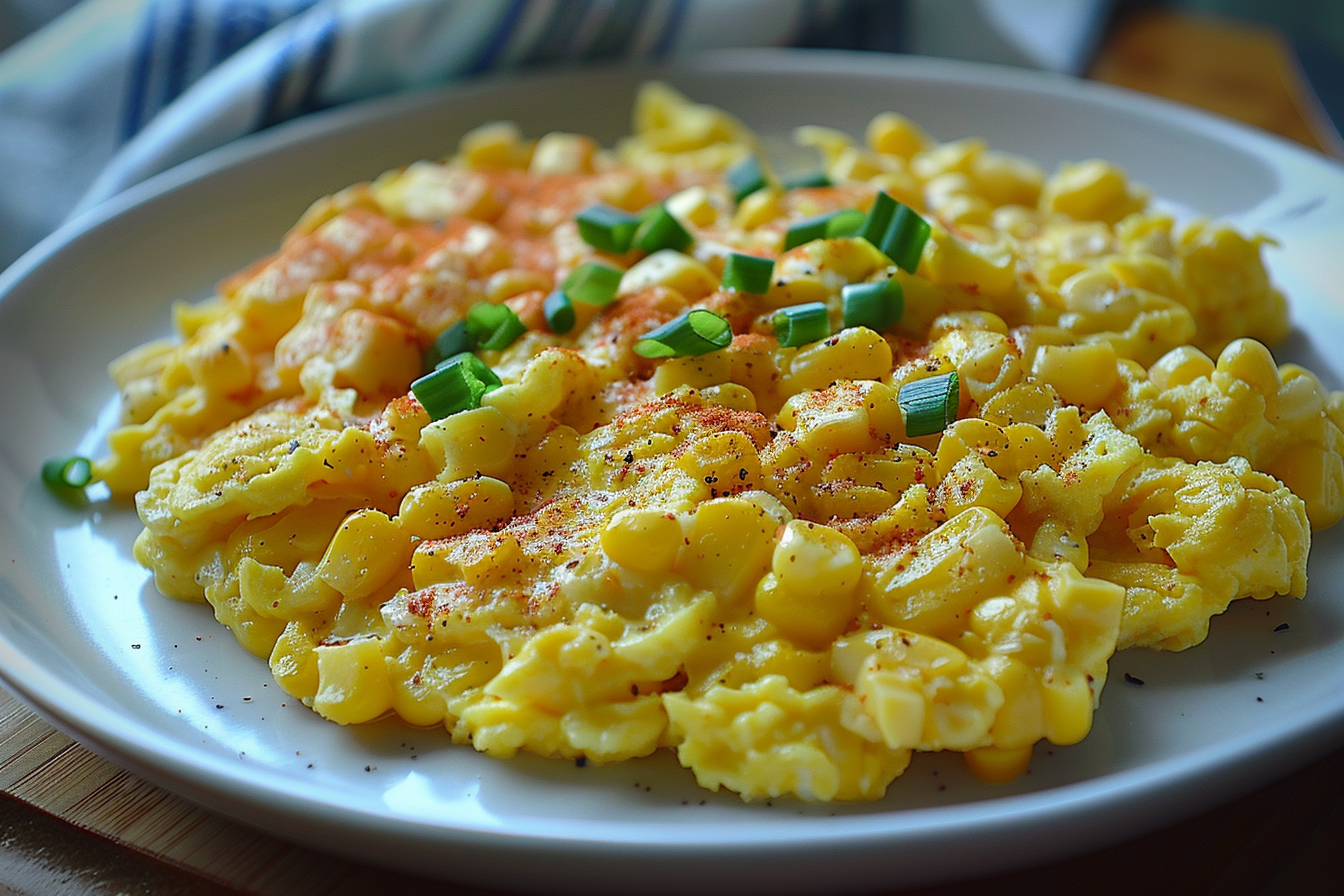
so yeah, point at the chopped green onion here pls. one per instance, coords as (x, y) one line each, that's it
(930, 404)
(877, 306)
(659, 229)
(844, 223)
(493, 327)
(807, 230)
(745, 178)
(801, 324)
(804, 181)
(453, 341)
(607, 229)
(559, 311)
(697, 332)
(903, 242)
(878, 219)
(830, 226)
(455, 386)
(748, 273)
(896, 230)
(64, 473)
(593, 283)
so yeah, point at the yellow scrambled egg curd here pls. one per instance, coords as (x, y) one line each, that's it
(751, 555)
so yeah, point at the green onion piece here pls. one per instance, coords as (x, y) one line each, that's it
(453, 341)
(878, 219)
(456, 386)
(658, 229)
(844, 223)
(801, 324)
(697, 332)
(804, 181)
(493, 327)
(559, 311)
(745, 178)
(593, 283)
(930, 404)
(748, 273)
(878, 306)
(607, 229)
(903, 242)
(807, 230)
(63, 473)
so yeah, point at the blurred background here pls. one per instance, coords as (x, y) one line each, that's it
(96, 95)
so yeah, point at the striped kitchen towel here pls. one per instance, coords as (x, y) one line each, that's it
(115, 91)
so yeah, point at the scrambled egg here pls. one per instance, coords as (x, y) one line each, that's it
(742, 555)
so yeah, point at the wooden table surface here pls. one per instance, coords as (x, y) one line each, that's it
(71, 822)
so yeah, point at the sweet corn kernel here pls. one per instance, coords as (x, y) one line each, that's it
(693, 205)
(1090, 191)
(1317, 477)
(353, 683)
(671, 269)
(697, 372)
(896, 135)
(1008, 180)
(1180, 367)
(479, 558)
(757, 209)
(643, 539)
(1055, 541)
(951, 570)
(558, 153)
(1082, 374)
(730, 395)
(816, 559)
(943, 158)
(1067, 706)
(724, 462)
(1250, 362)
(367, 551)
(494, 146)
(476, 442)
(980, 269)
(444, 509)
(855, 353)
(897, 706)
(728, 546)
(373, 354)
(293, 661)
(221, 365)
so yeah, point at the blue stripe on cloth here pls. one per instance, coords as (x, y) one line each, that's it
(133, 114)
(179, 52)
(240, 23)
(498, 39)
(671, 28)
(292, 81)
(319, 61)
(564, 21)
(277, 77)
(621, 24)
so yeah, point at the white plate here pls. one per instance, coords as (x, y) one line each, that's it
(162, 689)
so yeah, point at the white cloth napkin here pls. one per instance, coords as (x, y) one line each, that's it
(114, 91)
